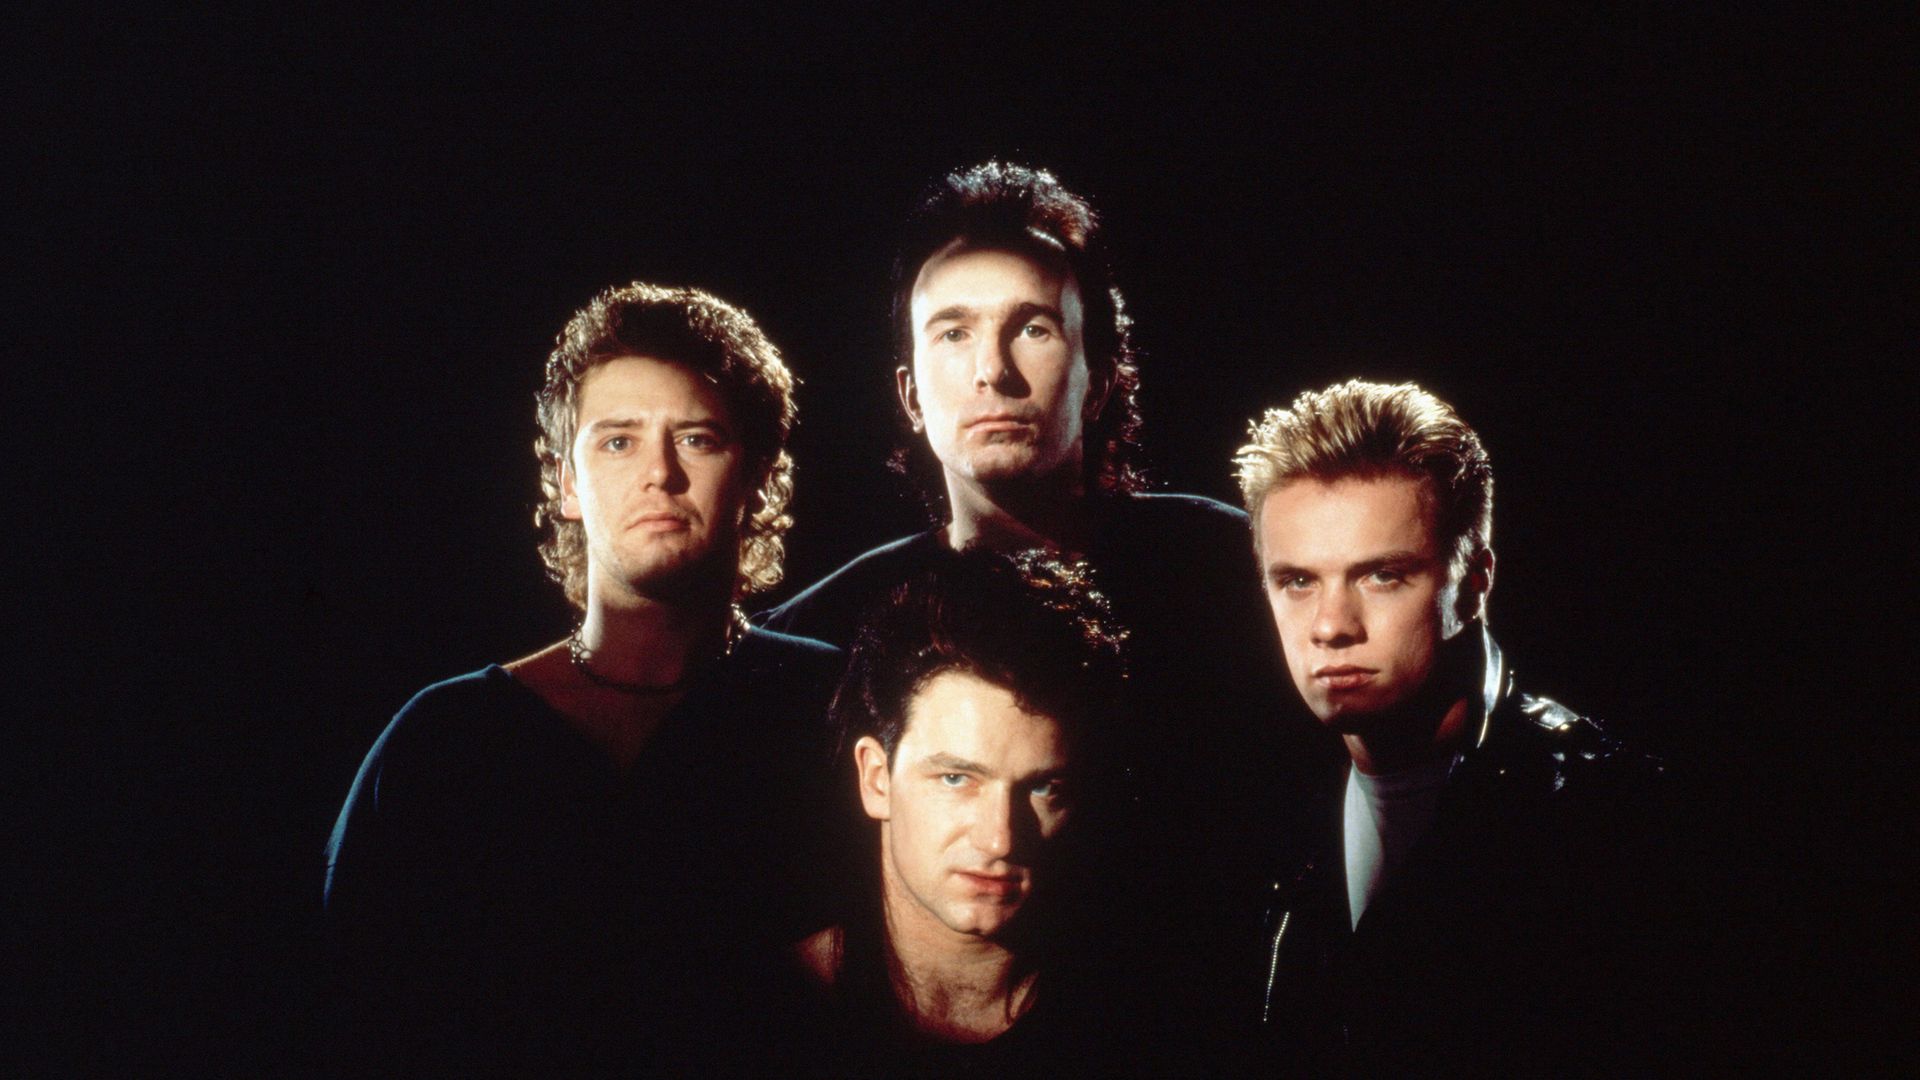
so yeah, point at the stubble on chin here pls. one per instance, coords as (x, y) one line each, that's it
(683, 576)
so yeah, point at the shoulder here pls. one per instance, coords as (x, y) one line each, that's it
(768, 645)
(820, 955)
(1189, 509)
(1179, 504)
(455, 707)
(830, 608)
(442, 726)
(1194, 518)
(424, 763)
(764, 651)
(1211, 541)
(1573, 756)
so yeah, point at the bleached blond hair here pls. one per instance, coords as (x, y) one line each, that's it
(1364, 429)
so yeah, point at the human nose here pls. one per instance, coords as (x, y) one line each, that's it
(992, 832)
(660, 466)
(992, 361)
(1336, 618)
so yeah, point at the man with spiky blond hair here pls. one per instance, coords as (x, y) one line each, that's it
(1465, 912)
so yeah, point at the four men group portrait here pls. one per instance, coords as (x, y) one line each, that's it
(1082, 779)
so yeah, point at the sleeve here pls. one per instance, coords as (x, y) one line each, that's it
(408, 970)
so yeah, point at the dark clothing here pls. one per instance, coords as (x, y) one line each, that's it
(1216, 735)
(1521, 937)
(504, 895)
(1076, 1025)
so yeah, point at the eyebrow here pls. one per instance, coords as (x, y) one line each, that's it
(617, 423)
(950, 313)
(949, 763)
(1390, 559)
(1031, 309)
(962, 312)
(1367, 566)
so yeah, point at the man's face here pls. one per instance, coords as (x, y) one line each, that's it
(999, 376)
(657, 477)
(1360, 592)
(972, 796)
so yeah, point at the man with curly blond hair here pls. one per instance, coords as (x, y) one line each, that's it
(539, 861)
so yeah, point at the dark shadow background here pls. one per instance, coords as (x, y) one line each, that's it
(282, 288)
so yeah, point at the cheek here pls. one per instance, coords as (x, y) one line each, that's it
(723, 489)
(1289, 622)
(1068, 384)
(935, 379)
(919, 829)
(1416, 636)
(1052, 820)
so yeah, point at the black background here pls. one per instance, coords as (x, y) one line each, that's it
(283, 286)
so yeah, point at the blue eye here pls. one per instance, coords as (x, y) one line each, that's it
(953, 779)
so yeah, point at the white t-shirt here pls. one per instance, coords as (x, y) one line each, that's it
(1385, 816)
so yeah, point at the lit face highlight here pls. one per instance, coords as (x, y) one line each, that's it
(657, 476)
(1360, 590)
(999, 379)
(973, 795)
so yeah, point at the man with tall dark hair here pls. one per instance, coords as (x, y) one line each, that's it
(1477, 903)
(535, 856)
(1017, 376)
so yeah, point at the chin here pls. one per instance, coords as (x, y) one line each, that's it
(987, 922)
(1356, 718)
(686, 575)
(991, 467)
(989, 929)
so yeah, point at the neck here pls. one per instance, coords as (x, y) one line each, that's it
(1047, 512)
(1398, 743)
(955, 987)
(648, 642)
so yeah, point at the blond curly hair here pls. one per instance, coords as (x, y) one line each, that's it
(710, 336)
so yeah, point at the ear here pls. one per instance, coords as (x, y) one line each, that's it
(870, 766)
(1475, 585)
(909, 397)
(569, 496)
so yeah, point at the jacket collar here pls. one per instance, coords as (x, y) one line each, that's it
(1493, 684)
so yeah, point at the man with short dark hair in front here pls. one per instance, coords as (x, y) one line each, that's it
(539, 863)
(1016, 372)
(974, 717)
(1472, 906)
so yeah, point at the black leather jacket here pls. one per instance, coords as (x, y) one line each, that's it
(1521, 924)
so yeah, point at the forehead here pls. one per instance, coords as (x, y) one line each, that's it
(1311, 522)
(643, 385)
(968, 717)
(981, 276)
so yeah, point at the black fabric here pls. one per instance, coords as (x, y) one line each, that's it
(1077, 1024)
(504, 897)
(1528, 934)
